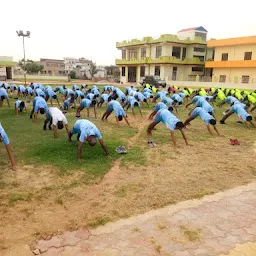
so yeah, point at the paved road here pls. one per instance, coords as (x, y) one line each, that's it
(221, 224)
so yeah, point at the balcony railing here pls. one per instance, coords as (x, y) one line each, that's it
(160, 60)
(162, 39)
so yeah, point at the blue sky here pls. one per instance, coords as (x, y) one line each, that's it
(90, 29)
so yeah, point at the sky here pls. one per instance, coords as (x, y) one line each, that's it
(90, 29)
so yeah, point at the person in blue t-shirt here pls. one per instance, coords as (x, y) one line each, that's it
(4, 138)
(86, 131)
(50, 94)
(103, 99)
(132, 102)
(86, 103)
(115, 106)
(158, 106)
(205, 116)
(19, 106)
(170, 121)
(239, 109)
(39, 105)
(4, 96)
(67, 103)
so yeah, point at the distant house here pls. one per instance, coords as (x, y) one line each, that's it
(53, 67)
(6, 67)
(101, 72)
(80, 66)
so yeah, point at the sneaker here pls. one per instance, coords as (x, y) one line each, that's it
(232, 142)
(222, 122)
(78, 116)
(44, 127)
(239, 122)
(236, 142)
(150, 144)
(224, 113)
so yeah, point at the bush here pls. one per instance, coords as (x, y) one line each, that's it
(73, 75)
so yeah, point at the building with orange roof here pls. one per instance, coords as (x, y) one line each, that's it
(234, 59)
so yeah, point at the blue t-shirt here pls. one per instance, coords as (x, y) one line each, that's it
(132, 101)
(50, 93)
(29, 90)
(21, 89)
(160, 105)
(105, 97)
(120, 94)
(231, 99)
(177, 97)
(182, 95)
(79, 93)
(38, 103)
(69, 92)
(167, 100)
(128, 90)
(204, 105)
(147, 94)
(147, 90)
(206, 117)
(39, 92)
(116, 107)
(3, 92)
(86, 128)
(166, 117)
(4, 136)
(161, 94)
(75, 87)
(139, 96)
(95, 91)
(60, 89)
(14, 87)
(17, 104)
(195, 99)
(239, 110)
(90, 96)
(86, 103)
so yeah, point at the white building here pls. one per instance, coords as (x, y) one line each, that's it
(101, 72)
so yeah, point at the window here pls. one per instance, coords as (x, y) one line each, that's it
(184, 51)
(142, 71)
(132, 54)
(245, 79)
(176, 52)
(157, 70)
(123, 71)
(224, 56)
(158, 51)
(197, 69)
(202, 35)
(123, 54)
(143, 52)
(222, 79)
(247, 55)
(196, 49)
(201, 58)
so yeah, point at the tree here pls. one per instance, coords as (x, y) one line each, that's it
(72, 74)
(93, 70)
(112, 71)
(31, 66)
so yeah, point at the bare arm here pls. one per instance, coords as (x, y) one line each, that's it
(79, 151)
(215, 128)
(133, 111)
(95, 112)
(117, 121)
(126, 119)
(11, 155)
(152, 115)
(173, 138)
(188, 104)
(55, 131)
(17, 111)
(35, 117)
(66, 127)
(88, 112)
(104, 147)
(209, 129)
(184, 137)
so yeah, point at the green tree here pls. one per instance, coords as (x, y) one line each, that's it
(93, 70)
(72, 74)
(34, 67)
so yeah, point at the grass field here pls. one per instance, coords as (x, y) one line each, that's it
(51, 191)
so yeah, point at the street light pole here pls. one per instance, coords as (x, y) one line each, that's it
(27, 34)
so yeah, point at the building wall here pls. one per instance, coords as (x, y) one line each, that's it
(51, 66)
(235, 52)
(233, 74)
